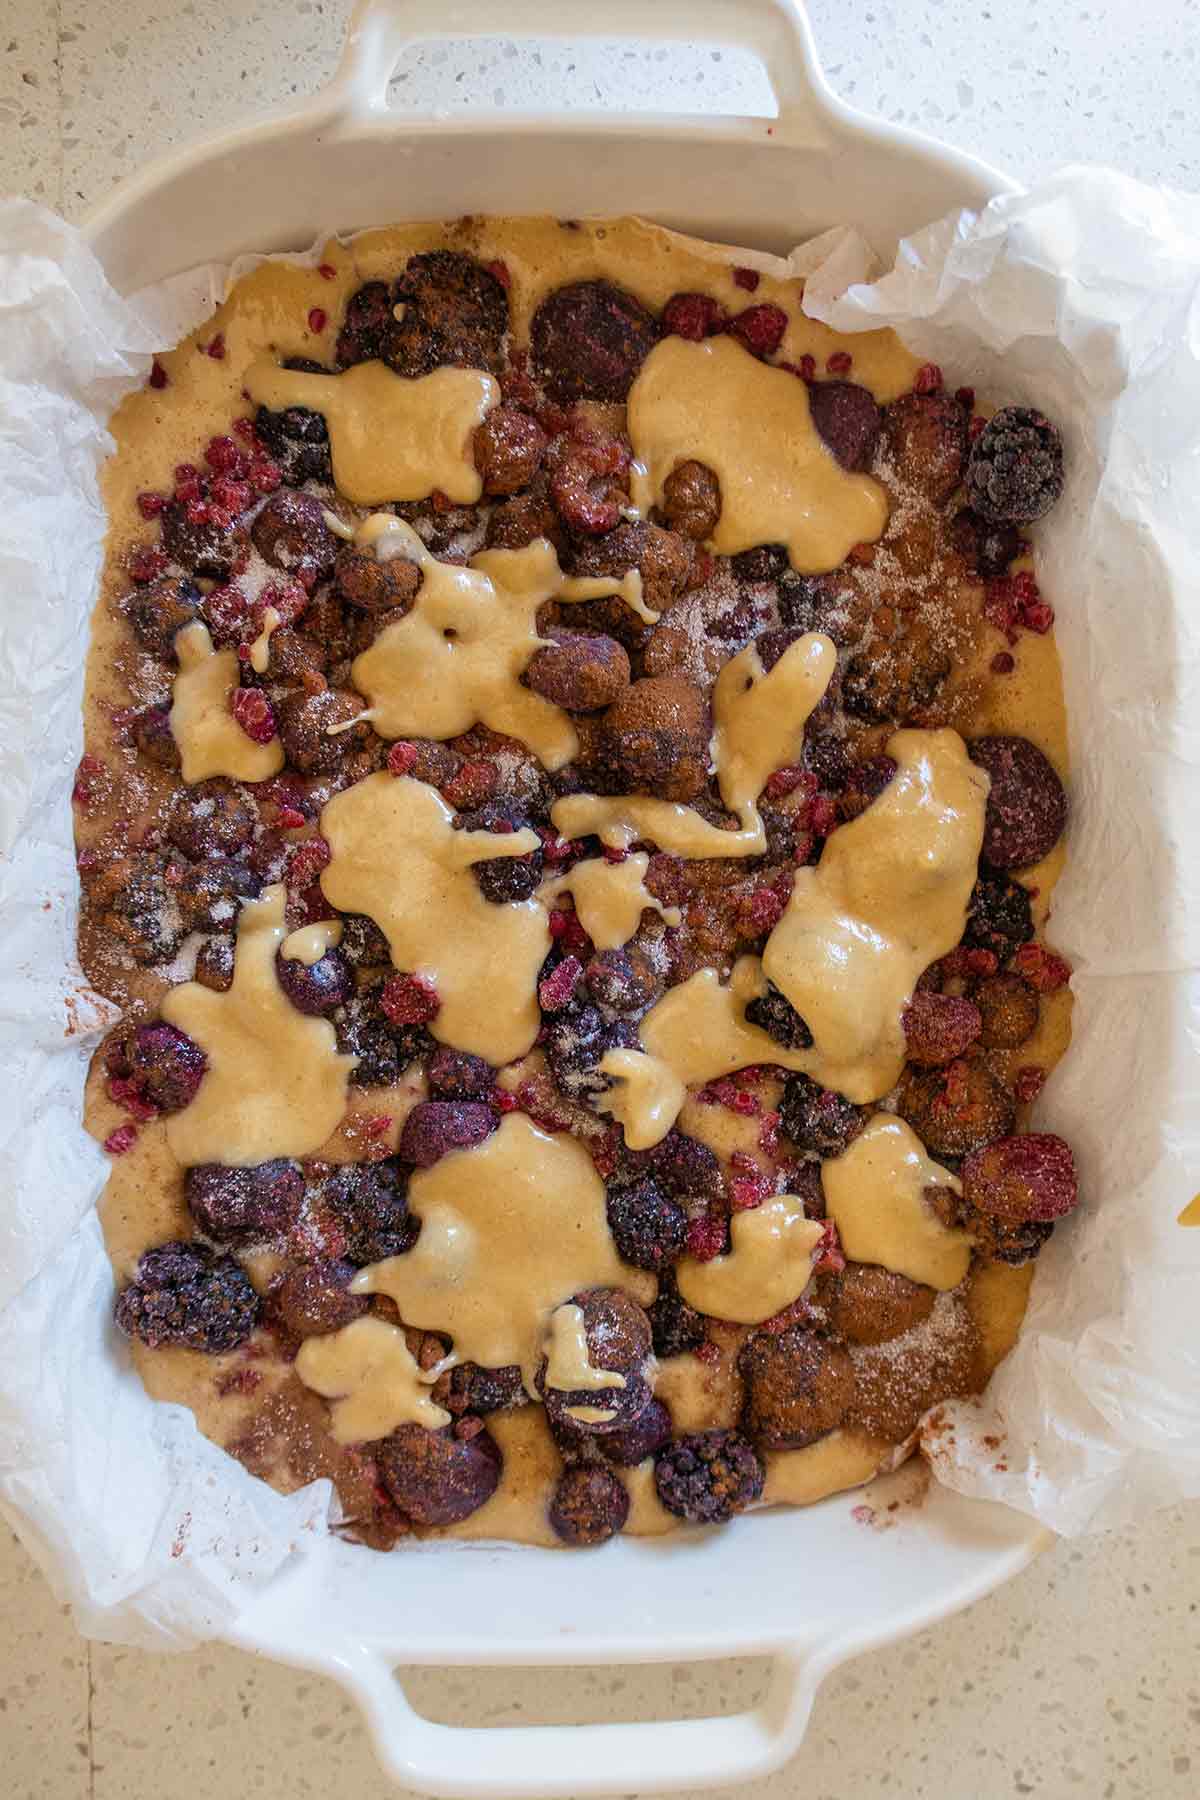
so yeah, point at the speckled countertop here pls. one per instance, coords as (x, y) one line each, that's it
(1083, 1676)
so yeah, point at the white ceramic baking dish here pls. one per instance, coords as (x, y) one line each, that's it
(808, 1588)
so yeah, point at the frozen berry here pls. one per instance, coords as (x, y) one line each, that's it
(648, 1227)
(655, 739)
(198, 541)
(774, 1013)
(165, 1066)
(157, 612)
(588, 1506)
(999, 917)
(151, 732)
(676, 1327)
(312, 1298)
(683, 1165)
(815, 1118)
(435, 1478)
(305, 722)
(644, 1437)
(316, 988)
(133, 904)
(363, 942)
(891, 679)
(574, 1040)
(469, 1387)
(436, 1127)
(448, 311)
(589, 340)
(384, 1048)
(870, 1305)
(760, 329)
(618, 1339)
(991, 547)
(372, 586)
(692, 316)
(509, 447)
(213, 818)
(798, 1386)
(211, 892)
(1015, 470)
(1027, 804)
(187, 1295)
(367, 316)
(457, 1075)
(939, 1027)
(623, 980)
(1018, 1179)
(956, 1109)
(579, 672)
(244, 1205)
(662, 558)
(214, 964)
(503, 879)
(707, 1476)
(924, 443)
(847, 420)
(298, 440)
(691, 501)
(369, 1201)
(1008, 1011)
(291, 534)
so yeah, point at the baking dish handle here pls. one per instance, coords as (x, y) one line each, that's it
(776, 31)
(500, 1762)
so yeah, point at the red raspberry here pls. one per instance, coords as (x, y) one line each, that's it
(965, 397)
(759, 328)
(692, 316)
(747, 1106)
(840, 363)
(499, 269)
(231, 495)
(928, 379)
(265, 475)
(246, 431)
(1028, 1083)
(787, 780)
(401, 757)
(150, 505)
(557, 989)
(307, 861)
(146, 564)
(822, 815)
(612, 854)
(829, 1256)
(746, 1192)
(746, 278)
(122, 1139)
(1002, 663)
(766, 910)
(706, 1237)
(224, 456)
(254, 713)
(326, 271)
(157, 377)
(216, 347)
(472, 784)
(407, 1000)
(1043, 969)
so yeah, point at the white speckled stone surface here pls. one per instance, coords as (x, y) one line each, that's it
(1082, 1677)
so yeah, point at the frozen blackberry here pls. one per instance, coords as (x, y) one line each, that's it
(370, 1203)
(683, 1165)
(574, 1040)
(707, 1476)
(448, 310)
(213, 818)
(1015, 469)
(589, 1505)
(469, 1387)
(504, 878)
(589, 339)
(210, 895)
(644, 1437)
(676, 1328)
(815, 1118)
(990, 547)
(298, 440)
(316, 988)
(1000, 915)
(187, 1295)
(383, 1048)
(436, 1127)
(774, 1013)
(457, 1075)
(244, 1206)
(649, 1228)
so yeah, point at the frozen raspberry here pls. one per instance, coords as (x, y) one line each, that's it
(707, 1476)
(1042, 969)
(164, 1066)
(588, 1506)
(759, 328)
(847, 421)
(254, 713)
(556, 990)
(1015, 470)
(939, 1027)
(408, 1000)
(436, 1478)
(435, 1127)
(187, 1295)
(648, 1226)
(798, 1387)
(244, 1205)
(816, 1118)
(369, 1201)
(1018, 1179)
(692, 316)
(1027, 805)
(774, 1013)
(588, 340)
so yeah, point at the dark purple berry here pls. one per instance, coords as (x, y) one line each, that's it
(187, 1295)
(457, 1075)
(589, 340)
(435, 1478)
(370, 1203)
(648, 1227)
(315, 1297)
(214, 818)
(316, 988)
(244, 1206)
(847, 421)
(676, 1328)
(165, 1065)
(1027, 804)
(707, 1476)
(683, 1165)
(298, 440)
(1000, 916)
(383, 1048)
(435, 1127)
(635, 1442)
(774, 1013)
(1015, 469)
(815, 1118)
